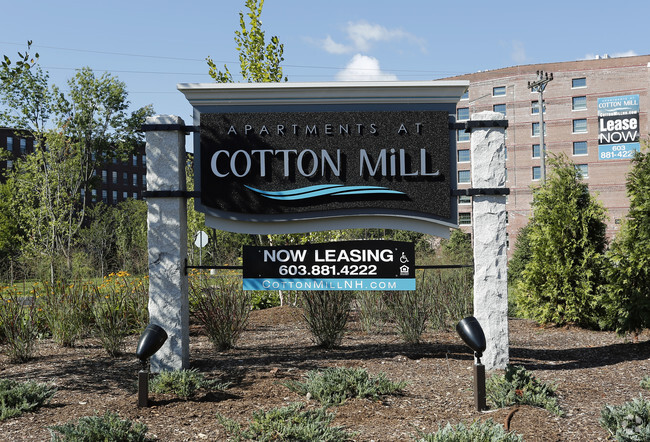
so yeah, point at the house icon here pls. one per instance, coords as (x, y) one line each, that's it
(404, 270)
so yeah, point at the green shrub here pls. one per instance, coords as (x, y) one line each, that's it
(627, 422)
(183, 383)
(109, 427)
(326, 314)
(451, 296)
(264, 299)
(66, 309)
(372, 310)
(20, 397)
(332, 386)
(20, 324)
(111, 321)
(562, 278)
(222, 309)
(478, 431)
(410, 310)
(519, 386)
(290, 423)
(645, 382)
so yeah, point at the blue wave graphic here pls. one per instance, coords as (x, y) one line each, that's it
(323, 190)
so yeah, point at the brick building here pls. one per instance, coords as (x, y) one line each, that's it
(571, 121)
(117, 180)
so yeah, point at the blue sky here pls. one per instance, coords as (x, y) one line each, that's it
(152, 46)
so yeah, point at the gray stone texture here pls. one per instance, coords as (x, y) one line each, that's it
(167, 238)
(489, 236)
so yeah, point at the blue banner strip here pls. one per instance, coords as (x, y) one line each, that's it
(328, 284)
(623, 151)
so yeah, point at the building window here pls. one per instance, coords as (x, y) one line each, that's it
(135, 160)
(463, 176)
(580, 148)
(125, 196)
(10, 144)
(104, 176)
(105, 196)
(125, 178)
(536, 151)
(578, 82)
(463, 156)
(114, 177)
(465, 96)
(507, 241)
(501, 108)
(10, 164)
(505, 151)
(135, 195)
(579, 103)
(461, 135)
(144, 160)
(537, 173)
(114, 196)
(23, 145)
(462, 113)
(535, 130)
(135, 180)
(534, 107)
(498, 91)
(93, 195)
(580, 126)
(144, 181)
(507, 221)
(465, 219)
(464, 199)
(583, 170)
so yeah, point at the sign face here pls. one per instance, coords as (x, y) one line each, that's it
(618, 127)
(348, 265)
(201, 239)
(278, 166)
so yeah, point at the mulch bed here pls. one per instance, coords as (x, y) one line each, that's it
(589, 369)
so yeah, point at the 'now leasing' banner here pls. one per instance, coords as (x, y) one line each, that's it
(346, 265)
(618, 127)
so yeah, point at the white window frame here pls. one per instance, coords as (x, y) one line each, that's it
(573, 126)
(573, 107)
(579, 154)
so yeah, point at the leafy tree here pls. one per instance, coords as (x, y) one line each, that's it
(74, 134)
(521, 255)
(627, 296)
(11, 233)
(259, 61)
(98, 238)
(458, 248)
(567, 240)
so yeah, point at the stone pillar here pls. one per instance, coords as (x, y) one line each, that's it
(489, 237)
(167, 238)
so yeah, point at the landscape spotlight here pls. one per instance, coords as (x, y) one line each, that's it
(152, 338)
(472, 334)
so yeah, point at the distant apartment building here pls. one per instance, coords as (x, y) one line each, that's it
(116, 180)
(573, 127)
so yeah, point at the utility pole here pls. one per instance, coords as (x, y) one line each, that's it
(538, 86)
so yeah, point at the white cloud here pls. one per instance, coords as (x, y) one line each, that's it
(364, 68)
(335, 48)
(518, 52)
(362, 35)
(629, 53)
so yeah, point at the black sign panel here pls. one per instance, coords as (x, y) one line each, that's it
(349, 265)
(287, 163)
